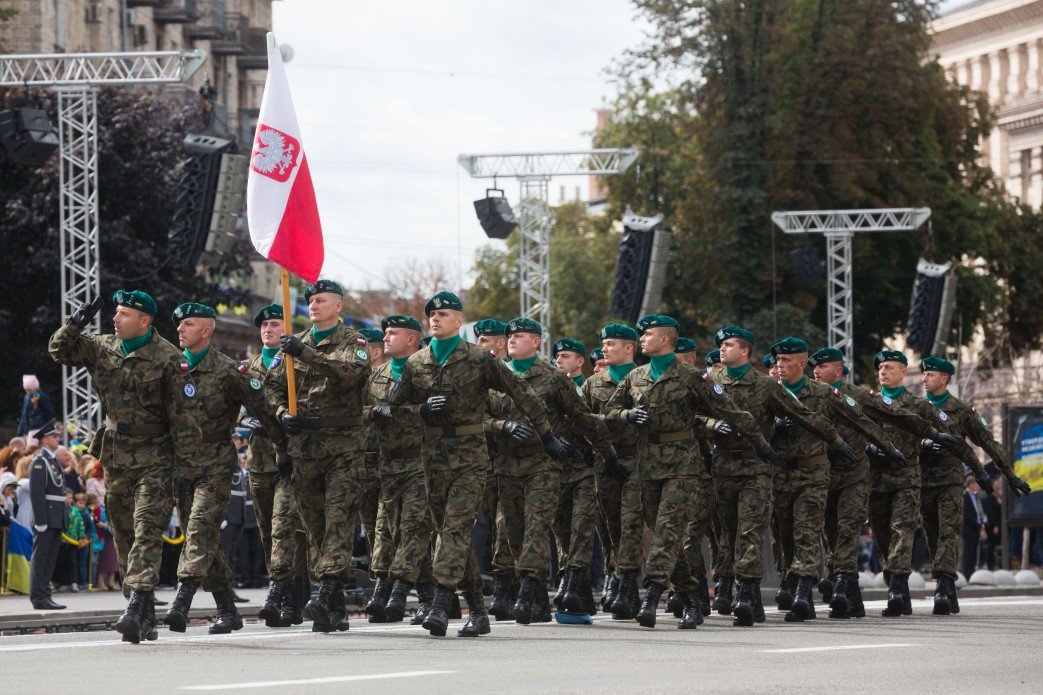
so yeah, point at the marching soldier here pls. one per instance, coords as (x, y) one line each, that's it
(150, 419)
(327, 442)
(685, 351)
(47, 496)
(597, 360)
(375, 345)
(713, 361)
(366, 477)
(450, 381)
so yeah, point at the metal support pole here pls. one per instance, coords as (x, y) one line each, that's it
(78, 132)
(841, 317)
(535, 222)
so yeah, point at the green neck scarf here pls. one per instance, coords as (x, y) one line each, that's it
(522, 366)
(129, 346)
(737, 372)
(618, 372)
(396, 366)
(660, 363)
(443, 347)
(319, 336)
(892, 393)
(267, 354)
(194, 358)
(796, 386)
(837, 384)
(579, 379)
(939, 400)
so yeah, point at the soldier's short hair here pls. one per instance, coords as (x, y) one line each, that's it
(746, 345)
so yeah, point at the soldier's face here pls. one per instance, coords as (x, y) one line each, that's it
(193, 333)
(689, 358)
(791, 367)
(271, 329)
(656, 341)
(129, 324)
(571, 362)
(830, 372)
(617, 351)
(773, 371)
(400, 342)
(935, 382)
(493, 343)
(521, 346)
(324, 308)
(733, 354)
(445, 323)
(376, 354)
(891, 374)
(600, 366)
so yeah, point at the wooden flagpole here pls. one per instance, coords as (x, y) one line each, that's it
(287, 313)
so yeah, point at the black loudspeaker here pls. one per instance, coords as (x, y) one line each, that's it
(495, 215)
(194, 198)
(640, 267)
(931, 307)
(27, 136)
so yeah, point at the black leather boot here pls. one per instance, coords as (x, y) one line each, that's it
(271, 611)
(611, 590)
(704, 597)
(455, 611)
(895, 602)
(646, 616)
(425, 594)
(378, 600)
(129, 624)
(338, 613)
(396, 606)
(477, 620)
(856, 608)
(541, 609)
(941, 597)
(289, 611)
(784, 597)
(623, 607)
(954, 603)
(501, 605)
(826, 585)
(572, 600)
(148, 623)
(228, 618)
(803, 602)
(563, 585)
(319, 609)
(675, 603)
(590, 606)
(722, 597)
(907, 600)
(437, 620)
(839, 605)
(744, 606)
(758, 602)
(526, 597)
(177, 615)
(692, 615)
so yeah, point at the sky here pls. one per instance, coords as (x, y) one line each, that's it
(389, 93)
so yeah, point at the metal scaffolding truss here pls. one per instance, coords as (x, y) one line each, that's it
(839, 227)
(76, 77)
(535, 219)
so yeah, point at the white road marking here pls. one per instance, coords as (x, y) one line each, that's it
(834, 648)
(315, 681)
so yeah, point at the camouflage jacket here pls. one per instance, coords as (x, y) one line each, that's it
(399, 441)
(597, 391)
(148, 415)
(331, 383)
(668, 446)
(959, 419)
(888, 475)
(261, 452)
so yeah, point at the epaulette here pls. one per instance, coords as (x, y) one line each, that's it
(184, 367)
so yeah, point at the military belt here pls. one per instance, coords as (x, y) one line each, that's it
(314, 423)
(935, 461)
(793, 464)
(526, 450)
(667, 437)
(216, 437)
(238, 493)
(55, 498)
(130, 430)
(461, 431)
(397, 454)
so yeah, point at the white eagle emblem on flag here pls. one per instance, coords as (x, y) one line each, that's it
(274, 154)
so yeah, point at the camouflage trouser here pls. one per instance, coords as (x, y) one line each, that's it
(574, 521)
(799, 511)
(202, 505)
(367, 492)
(527, 504)
(893, 514)
(502, 560)
(328, 505)
(847, 508)
(403, 530)
(942, 511)
(668, 505)
(282, 535)
(455, 495)
(743, 510)
(609, 499)
(631, 526)
(139, 502)
(690, 565)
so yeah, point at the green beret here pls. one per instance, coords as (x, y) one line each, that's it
(657, 321)
(192, 310)
(135, 299)
(523, 324)
(568, 345)
(933, 363)
(769, 360)
(684, 345)
(733, 332)
(401, 321)
(618, 330)
(826, 355)
(489, 327)
(889, 356)
(373, 335)
(595, 355)
(425, 341)
(272, 311)
(713, 357)
(789, 346)
(323, 286)
(443, 300)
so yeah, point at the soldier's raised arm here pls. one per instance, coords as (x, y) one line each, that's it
(846, 409)
(69, 346)
(715, 405)
(593, 428)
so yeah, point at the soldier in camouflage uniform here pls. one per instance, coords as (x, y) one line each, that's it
(327, 441)
(941, 500)
(597, 360)
(367, 485)
(220, 386)
(450, 380)
(620, 522)
(662, 400)
(150, 419)
(282, 534)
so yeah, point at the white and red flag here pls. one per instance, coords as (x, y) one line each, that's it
(280, 198)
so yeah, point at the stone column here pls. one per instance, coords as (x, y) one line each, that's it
(1035, 173)
(1032, 66)
(979, 69)
(1015, 68)
(997, 81)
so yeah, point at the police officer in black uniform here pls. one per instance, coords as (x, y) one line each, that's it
(47, 494)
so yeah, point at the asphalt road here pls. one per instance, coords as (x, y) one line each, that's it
(993, 645)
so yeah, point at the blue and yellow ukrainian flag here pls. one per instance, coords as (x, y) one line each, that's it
(19, 550)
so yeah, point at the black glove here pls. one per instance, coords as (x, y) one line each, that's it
(518, 430)
(381, 412)
(1018, 486)
(898, 457)
(86, 313)
(768, 454)
(614, 468)
(291, 424)
(434, 404)
(557, 447)
(930, 446)
(874, 453)
(250, 423)
(291, 345)
(845, 452)
(285, 465)
(947, 440)
(637, 416)
(985, 484)
(784, 424)
(722, 427)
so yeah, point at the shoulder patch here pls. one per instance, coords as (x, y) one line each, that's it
(706, 377)
(886, 400)
(276, 361)
(184, 367)
(491, 353)
(190, 390)
(836, 392)
(982, 421)
(942, 416)
(360, 341)
(255, 384)
(361, 354)
(242, 368)
(579, 390)
(873, 393)
(718, 390)
(850, 401)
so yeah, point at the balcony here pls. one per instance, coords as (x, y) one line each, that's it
(256, 56)
(210, 26)
(233, 39)
(144, 3)
(176, 12)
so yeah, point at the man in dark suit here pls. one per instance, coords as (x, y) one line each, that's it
(972, 529)
(47, 495)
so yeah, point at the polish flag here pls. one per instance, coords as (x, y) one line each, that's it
(280, 198)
